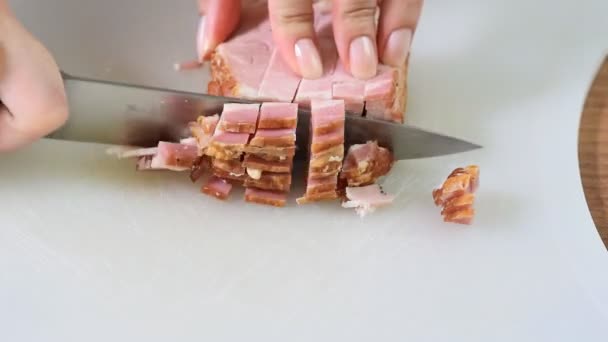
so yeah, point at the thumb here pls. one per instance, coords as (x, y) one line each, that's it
(32, 95)
(293, 32)
(219, 18)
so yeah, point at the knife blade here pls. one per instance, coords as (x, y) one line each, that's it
(123, 114)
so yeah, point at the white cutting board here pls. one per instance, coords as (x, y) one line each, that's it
(90, 250)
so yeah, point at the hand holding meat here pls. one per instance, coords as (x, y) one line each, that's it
(32, 96)
(362, 37)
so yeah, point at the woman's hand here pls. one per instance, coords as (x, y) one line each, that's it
(361, 44)
(32, 96)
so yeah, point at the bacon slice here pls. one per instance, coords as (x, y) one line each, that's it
(270, 181)
(227, 145)
(175, 157)
(273, 198)
(285, 137)
(328, 118)
(257, 163)
(234, 167)
(366, 199)
(456, 195)
(217, 187)
(365, 163)
(239, 117)
(278, 115)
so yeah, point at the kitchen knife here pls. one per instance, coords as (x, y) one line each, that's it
(122, 114)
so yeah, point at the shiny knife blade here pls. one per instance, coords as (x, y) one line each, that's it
(123, 114)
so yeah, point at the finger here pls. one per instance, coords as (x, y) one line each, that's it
(219, 18)
(31, 89)
(293, 32)
(355, 34)
(398, 21)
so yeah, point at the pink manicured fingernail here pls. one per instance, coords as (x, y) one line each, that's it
(363, 58)
(308, 58)
(202, 45)
(397, 47)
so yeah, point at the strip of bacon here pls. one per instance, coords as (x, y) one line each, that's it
(366, 199)
(278, 115)
(175, 157)
(257, 163)
(217, 188)
(273, 198)
(285, 137)
(270, 181)
(239, 117)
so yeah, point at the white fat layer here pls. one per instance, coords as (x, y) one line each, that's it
(254, 173)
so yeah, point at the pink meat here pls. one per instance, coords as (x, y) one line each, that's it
(229, 138)
(366, 199)
(175, 157)
(349, 89)
(280, 83)
(217, 187)
(278, 115)
(380, 93)
(240, 117)
(284, 134)
(246, 62)
(320, 88)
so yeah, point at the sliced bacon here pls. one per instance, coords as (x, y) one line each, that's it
(273, 198)
(217, 187)
(239, 117)
(270, 181)
(278, 115)
(234, 166)
(328, 118)
(227, 145)
(175, 157)
(257, 163)
(321, 143)
(366, 199)
(284, 137)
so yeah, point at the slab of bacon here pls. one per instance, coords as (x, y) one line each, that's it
(250, 66)
(456, 195)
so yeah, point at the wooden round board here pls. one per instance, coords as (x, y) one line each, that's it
(593, 150)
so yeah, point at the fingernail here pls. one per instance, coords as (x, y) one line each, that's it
(201, 41)
(308, 58)
(397, 47)
(363, 58)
